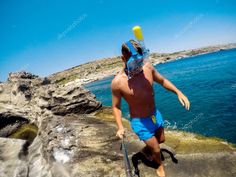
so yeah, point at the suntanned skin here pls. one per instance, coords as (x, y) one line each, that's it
(139, 94)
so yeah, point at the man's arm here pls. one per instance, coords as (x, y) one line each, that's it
(169, 86)
(116, 101)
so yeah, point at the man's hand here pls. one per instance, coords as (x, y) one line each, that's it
(183, 100)
(120, 133)
(169, 86)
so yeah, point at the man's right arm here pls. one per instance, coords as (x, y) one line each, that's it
(116, 102)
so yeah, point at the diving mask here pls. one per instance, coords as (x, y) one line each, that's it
(135, 62)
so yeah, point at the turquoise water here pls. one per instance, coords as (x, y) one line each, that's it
(208, 80)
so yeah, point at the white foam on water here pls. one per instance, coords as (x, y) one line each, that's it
(170, 125)
(193, 121)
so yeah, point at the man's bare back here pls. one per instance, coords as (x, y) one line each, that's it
(138, 91)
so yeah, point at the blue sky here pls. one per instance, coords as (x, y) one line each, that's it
(44, 37)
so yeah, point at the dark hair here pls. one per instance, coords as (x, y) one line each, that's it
(126, 52)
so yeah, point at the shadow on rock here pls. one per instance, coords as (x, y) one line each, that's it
(141, 157)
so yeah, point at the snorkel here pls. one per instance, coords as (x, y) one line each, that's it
(135, 62)
(139, 36)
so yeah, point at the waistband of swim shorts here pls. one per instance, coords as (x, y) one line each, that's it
(139, 118)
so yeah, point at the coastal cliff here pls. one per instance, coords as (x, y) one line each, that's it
(52, 129)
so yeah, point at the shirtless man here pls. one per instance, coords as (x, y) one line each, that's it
(146, 120)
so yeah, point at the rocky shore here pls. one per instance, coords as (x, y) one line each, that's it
(106, 67)
(50, 129)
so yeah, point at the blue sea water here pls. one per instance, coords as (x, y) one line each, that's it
(209, 81)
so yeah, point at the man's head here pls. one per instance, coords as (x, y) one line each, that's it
(132, 56)
(126, 53)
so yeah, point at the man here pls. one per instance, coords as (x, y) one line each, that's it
(137, 89)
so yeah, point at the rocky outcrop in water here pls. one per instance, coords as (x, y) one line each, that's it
(58, 138)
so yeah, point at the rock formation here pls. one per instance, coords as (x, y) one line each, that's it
(26, 100)
(64, 132)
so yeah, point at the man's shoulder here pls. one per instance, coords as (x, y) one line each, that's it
(119, 76)
(117, 79)
(148, 66)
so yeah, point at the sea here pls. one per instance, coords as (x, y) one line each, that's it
(209, 82)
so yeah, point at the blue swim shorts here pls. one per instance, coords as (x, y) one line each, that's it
(146, 127)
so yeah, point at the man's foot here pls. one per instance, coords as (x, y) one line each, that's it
(160, 171)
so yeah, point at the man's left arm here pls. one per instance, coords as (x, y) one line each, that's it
(169, 86)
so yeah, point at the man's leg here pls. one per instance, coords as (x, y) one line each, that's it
(147, 152)
(153, 145)
(159, 134)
